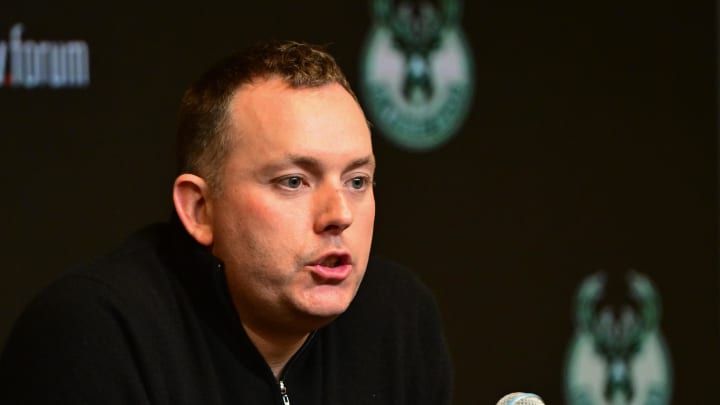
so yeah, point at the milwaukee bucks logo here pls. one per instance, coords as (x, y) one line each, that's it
(618, 357)
(416, 72)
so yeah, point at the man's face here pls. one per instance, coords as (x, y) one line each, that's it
(293, 222)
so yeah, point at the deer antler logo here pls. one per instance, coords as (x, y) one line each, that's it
(618, 357)
(417, 72)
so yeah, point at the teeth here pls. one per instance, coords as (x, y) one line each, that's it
(330, 261)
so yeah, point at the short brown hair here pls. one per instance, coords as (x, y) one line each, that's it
(203, 139)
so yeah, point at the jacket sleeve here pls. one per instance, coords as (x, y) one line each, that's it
(71, 346)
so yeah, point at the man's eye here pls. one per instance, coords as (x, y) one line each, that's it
(292, 182)
(359, 183)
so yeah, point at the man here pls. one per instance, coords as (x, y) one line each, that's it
(260, 290)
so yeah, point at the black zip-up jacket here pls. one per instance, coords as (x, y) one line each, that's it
(153, 324)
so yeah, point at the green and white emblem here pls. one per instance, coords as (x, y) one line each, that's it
(618, 358)
(417, 72)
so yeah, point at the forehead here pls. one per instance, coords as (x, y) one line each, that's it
(269, 118)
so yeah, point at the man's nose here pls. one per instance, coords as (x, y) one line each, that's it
(334, 211)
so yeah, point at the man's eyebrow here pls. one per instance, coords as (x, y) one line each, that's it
(312, 164)
(364, 161)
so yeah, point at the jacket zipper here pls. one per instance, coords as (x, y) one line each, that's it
(283, 375)
(283, 393)
(220, 284)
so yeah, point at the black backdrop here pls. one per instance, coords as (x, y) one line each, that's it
(591, 144)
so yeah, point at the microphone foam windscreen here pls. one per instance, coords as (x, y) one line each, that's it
(520, 398)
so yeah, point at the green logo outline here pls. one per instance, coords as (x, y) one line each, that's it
(618, 358)
(417, 73)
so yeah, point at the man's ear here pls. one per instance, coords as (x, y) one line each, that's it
(191, 198)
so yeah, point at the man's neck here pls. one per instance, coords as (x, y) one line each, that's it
(276, 350)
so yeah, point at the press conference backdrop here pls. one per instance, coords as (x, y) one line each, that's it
(549, 171)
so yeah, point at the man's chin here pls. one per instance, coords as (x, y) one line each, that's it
(328, 311)
(324, 303)
(324, 312)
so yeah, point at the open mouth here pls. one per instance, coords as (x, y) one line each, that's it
(334, 261)
(332, 268)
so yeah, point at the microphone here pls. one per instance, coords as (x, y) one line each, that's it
(520, 398)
